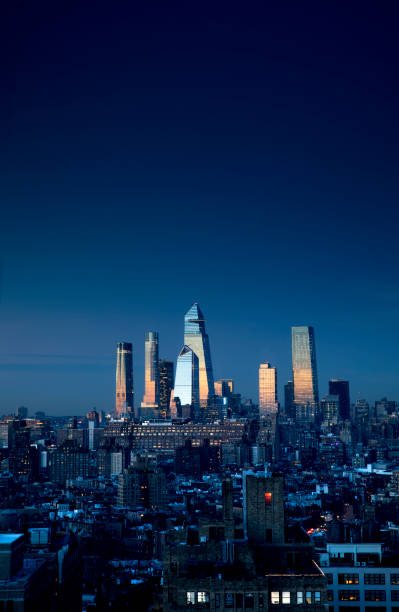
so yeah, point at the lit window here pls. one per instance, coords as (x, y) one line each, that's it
(203, 597)
(190, 597)
(275, 597)
(268, 499)
(286, 597)
(317, 596)
(299, 597)
(308, 597)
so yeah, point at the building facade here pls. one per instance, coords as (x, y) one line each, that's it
(267, 390)
(304, 369)
(196, 338)
(337, 386)
(186, 389)
(165, 383)
(124, 402)
(151, 372)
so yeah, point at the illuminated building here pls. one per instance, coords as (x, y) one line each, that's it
(337, 386)
(267, 390)
(151, 374)
(186, 389)
(165, 382)
(224, 387)
(196, 338)
(329, 406)
(124, 379)
(306, 393)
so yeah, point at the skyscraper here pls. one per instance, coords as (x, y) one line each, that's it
(337, 386)
(186, 389)
(124, 403)
(196, 338)
(165, 382)
(224, 387)
(289, 406)
(151, 373)
(306, 392)
(267, 390)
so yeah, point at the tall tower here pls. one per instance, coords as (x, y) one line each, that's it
(165, 382)
(124, 401)
(337, 386)
(267, 390)
(306, 391)
(186, 390)
(151, 374)
(196, 338)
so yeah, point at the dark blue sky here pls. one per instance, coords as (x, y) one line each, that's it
(242, 155)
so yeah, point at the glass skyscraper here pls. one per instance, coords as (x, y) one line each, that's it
(306, 391)
(165, 382)
(337, 386)
(186, 390)
(196, 338)
(124, 401)
(267, 390)
(151, 373)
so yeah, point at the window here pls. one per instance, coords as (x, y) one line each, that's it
(217, 600)
(330, 595)
(203, 597)
(348, 578)
(395, 595)
(317, 596)
(349, 595)
(299, 598)
(330, 578)
(394, 578)
(248, 600)
(268, 499)
(308, 597)
(190, 597)
(374, 578)
(261, 600)
(275, 597)
(286, 597)
(228, 600)
(374, 595)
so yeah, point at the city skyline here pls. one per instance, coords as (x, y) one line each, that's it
(259, 179)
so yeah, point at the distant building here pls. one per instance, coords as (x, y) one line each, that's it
(150, 403)
(143, 484)
(124, 404)
(337, 386)
(267, 390)
(68, 462)
(165, 383)
(329, 407)
(22, 412)
(304, 369)
(264, 508)
(186, 388)
(196, 338)
(289, 405)
(224, 387)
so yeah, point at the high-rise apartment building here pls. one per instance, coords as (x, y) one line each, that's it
(264, 508)
(151, 373)
(267, 390)
(306, 391)
(289, 406)
(124, 403)
(196, 338)
(165, 382)
(186, 389)
(224, 387)
(337, 386)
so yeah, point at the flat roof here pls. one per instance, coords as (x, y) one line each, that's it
(8, 538)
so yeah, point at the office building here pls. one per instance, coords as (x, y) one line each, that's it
(304, 369)
(143, 484)
(329, 407)
(337, 386)
(267, 390)
(196, 338)
(22, 412)
(224, 387)
(264, 508)
(186, 388)
(151, 373)
(68, 462)
(289, 406)
(124, 404)
(165, 383)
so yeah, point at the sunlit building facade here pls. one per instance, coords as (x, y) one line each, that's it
(186, 389)
(224, 387)
(151, 372)
(267, 390)
(306, 391)
(196, 338)
(124, 400)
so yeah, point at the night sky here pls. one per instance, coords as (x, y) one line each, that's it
(242, 155)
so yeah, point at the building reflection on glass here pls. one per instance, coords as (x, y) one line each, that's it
(197, 339)
(186, 389)
(124, 400)
(306, 393)
(267, 390)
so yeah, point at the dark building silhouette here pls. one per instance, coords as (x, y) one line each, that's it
(165, 383)
(337, 386)
(289, 405)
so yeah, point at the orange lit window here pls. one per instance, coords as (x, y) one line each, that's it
(268, 499)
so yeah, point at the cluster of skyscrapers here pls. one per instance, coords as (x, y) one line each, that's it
(192, 392)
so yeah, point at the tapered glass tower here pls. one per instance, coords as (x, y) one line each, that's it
(124, 401)
(151, 374)
(196, 338)
(267, 390)
(306, 391)
(186, 389)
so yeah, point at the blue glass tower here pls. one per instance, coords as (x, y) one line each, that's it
(196, 338)
(186, 390)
